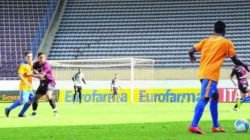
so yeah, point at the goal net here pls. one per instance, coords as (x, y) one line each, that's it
(128, 70)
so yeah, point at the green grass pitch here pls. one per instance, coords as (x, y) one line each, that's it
(118, 121)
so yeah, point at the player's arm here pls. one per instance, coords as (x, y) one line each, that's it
(231, 53)
(73, 78)
(20, 75)
(35, 74)
(112, 85)
(231, 77)
(191, 55)
(119, 86)
(237, 61)
(35, 71)
(45, 70)
(83, 80)
(196, 48)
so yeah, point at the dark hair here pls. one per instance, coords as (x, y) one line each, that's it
(27, 52)
(219, 27)
(40, 53)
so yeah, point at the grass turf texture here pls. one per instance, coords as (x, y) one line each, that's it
(118, 121)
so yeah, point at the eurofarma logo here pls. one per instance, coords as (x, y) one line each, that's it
(95, 96)
(179, 95)
(169, 95)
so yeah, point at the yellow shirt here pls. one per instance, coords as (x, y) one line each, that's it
(213, 50)
(25, 68)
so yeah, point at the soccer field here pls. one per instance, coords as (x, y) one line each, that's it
(118, 121)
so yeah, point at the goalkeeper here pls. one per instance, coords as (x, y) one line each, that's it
(78, 80)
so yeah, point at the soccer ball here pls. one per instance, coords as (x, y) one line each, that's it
(241, 125)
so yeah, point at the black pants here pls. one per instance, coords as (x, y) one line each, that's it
(78, 89)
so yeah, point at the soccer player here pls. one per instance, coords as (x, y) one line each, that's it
(78, 80)
(241, 75)
(25, 86)
(114, 88)
(214, 50)
(47, 83)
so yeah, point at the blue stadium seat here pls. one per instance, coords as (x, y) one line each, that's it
(18, 26)
(161, 30)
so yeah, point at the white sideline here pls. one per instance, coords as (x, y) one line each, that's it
(8, 85)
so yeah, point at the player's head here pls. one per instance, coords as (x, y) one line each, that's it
(41, 57)
(28, 56)
(220, 27)
(79, 70)
(116, 75)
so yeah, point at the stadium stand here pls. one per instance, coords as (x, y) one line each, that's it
(22, 26)
(90, 29)
(157, 29)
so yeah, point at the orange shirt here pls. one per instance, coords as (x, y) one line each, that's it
(213, 50)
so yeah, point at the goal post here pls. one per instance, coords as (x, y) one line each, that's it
(128, 69)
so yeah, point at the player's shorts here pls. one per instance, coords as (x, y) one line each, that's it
(78, 88)
(243, 87)
(208, 88)
(115, 90)
(44, 88)
(26, 96)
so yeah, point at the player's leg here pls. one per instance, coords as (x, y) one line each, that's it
(116, 98)
(49, 96)
(50, 99)
(200, 106)
(15, 104)
(74, 96)
(113, 97)
(80, 94)
(115, 94)
(245, 99)
(214, 110)
(239, 102)
(41, 90)
(244, 91)
(214, 99)
(27, 104)
(35, 103)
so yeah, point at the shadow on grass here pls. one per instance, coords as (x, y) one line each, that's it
(164, 130)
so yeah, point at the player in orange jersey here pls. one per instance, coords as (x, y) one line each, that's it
(214, 50)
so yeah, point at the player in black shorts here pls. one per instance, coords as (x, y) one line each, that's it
(47, 83)
(78, 80)
(241, 75)
(114, 88)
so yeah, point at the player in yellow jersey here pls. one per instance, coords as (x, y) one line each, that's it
(214, 50)
(25, 86)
